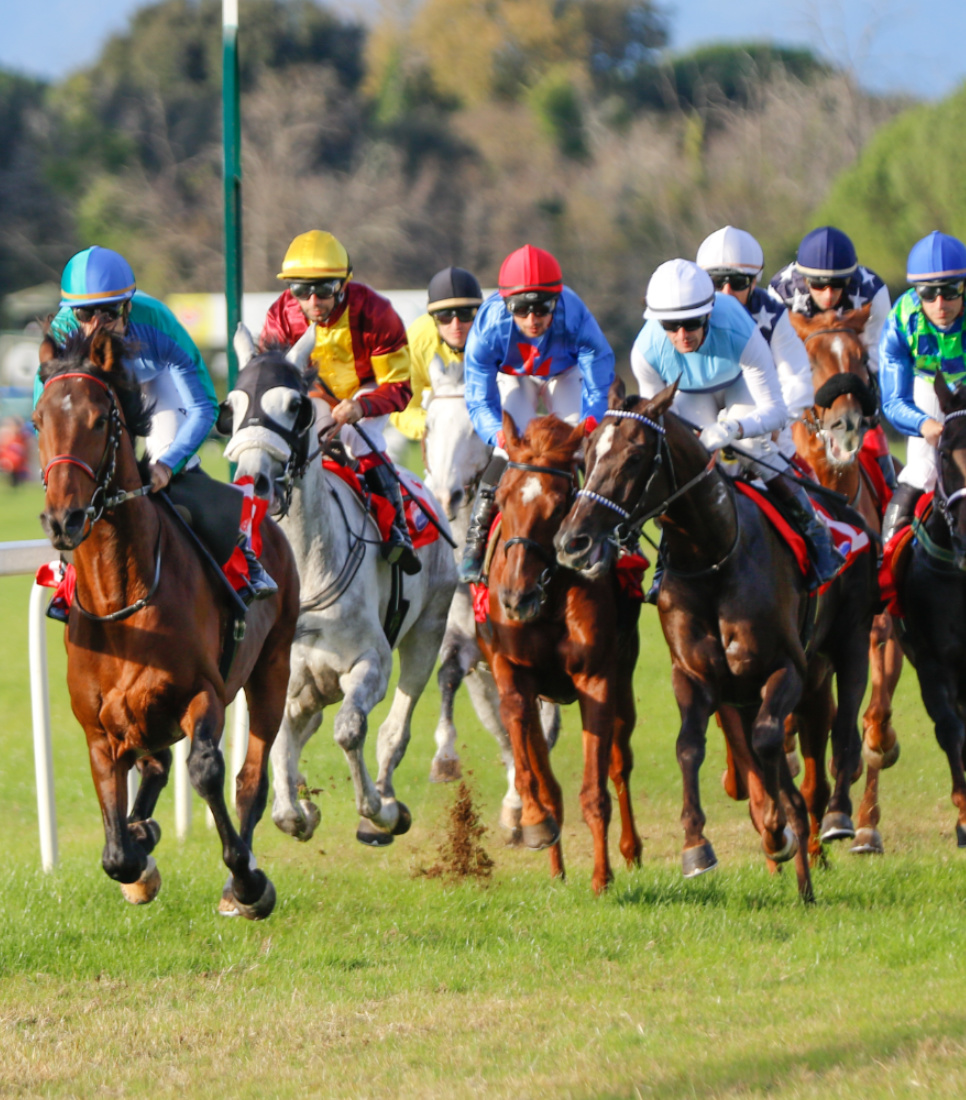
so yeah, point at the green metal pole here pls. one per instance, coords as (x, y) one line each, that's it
(231, 134)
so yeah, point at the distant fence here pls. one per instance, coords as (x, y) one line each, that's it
(19, 558)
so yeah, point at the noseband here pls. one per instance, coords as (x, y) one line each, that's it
(545, 556)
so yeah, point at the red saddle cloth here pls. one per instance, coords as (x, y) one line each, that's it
(895, 557)
(849, 541)
(421, 531)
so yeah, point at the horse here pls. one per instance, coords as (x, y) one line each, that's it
(341, 651)
(829, 438)
(732, 605)
(147, 628)
(932, 591)
(559, 634)
(455, 457)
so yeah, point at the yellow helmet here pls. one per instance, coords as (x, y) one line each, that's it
(316, 255)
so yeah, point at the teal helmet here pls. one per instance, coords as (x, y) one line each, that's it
(96, 277)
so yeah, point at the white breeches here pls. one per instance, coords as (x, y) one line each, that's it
(521, 395)
(921, 457)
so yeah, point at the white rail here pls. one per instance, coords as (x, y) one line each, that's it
(18, 558)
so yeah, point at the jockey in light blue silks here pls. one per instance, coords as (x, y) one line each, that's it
(923, 335)
(98, 291)
(534, 341)
(727, 386)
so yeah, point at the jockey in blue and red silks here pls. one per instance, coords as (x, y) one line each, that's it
(533, 341)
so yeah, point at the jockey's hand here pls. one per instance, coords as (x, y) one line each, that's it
(716, 436)
(347, 412)
(930, 431)
(160, 476)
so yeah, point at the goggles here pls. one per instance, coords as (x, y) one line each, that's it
(827, 284)
(949, 292)
(691, 324)
(326, 288)
(735, 279)
(460, 313)
(86, 314)
(521, 307)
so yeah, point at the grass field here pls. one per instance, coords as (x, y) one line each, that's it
(370, 980)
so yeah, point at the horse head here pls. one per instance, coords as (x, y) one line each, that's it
(844, 399)
(951, 479)
(534, 495)
(268, 414)
(623, 455)
(87, 415)
(454, 455)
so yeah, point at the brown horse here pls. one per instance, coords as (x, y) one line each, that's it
(829, 437)
(733, 605)
(147, 628)
(564, 636)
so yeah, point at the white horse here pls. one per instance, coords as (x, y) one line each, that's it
(340, 652)
(455, 456)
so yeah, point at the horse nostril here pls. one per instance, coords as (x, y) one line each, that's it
(577, 544)
(262, 486)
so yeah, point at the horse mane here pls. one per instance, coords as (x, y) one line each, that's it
(550, 438)
(75, 355)
(276, 352)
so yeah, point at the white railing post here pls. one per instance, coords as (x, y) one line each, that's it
(182, 789)
(40, 709)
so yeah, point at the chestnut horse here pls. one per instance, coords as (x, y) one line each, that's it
(147, 628)
(732, 605)
(556, 633)
(829, 437)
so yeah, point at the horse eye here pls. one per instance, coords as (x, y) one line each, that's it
(100, 423)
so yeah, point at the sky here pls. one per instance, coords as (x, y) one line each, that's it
(891, 45)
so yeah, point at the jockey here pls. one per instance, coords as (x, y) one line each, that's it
(438, 335)
(357, 344)
(727, 385)
(923, 334)
(532, 341)
(734, 260)
(98, 292)
(827, 275)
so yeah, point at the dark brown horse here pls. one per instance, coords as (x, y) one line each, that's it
(733, 606)
(147, 628)
(829, 437)
(562, 635)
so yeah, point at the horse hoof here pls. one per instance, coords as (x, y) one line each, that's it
(836, 827)
(514, 838)
(371, 835)
(146, 888)
(258, 910)
(794, 764)
(510, 818)
(960, 836)
(405, 821)
(445, 770)
(698, 860)
(880, 760)
(788, 852)
(867, 843)
(542, 835)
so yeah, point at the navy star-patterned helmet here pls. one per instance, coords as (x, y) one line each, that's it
(826, 253)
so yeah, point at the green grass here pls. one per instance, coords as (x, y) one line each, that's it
(369, 980)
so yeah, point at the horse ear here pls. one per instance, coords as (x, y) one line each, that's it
(510, 433)
(661, 402)
(800, 323)
(47, 351)
(945, 396)
(857, 318)
(102, 353)
(616, 393)
(244, 345)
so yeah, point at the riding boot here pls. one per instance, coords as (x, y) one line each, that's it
(399, 546)
(58, 609)
(260, 584)
(887, 466)
(826, 558)
(484, 509)
(655, 590)
(900, 510)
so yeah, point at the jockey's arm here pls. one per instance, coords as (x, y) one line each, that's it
(896, 380)
(794, 368)
(595, 361)
(761, 378)
(422, 347)
(649, 381)
(872, 333)
(384, 336)
(480, 367)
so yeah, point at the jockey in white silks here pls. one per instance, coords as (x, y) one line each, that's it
(727, 386)
(734, 260)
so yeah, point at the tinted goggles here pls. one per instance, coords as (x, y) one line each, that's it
(734, 279)
(461, 313)
(826, 284)
(86, 314)
(326, 288)
(521, 307)
(949, 292)
(691, 324)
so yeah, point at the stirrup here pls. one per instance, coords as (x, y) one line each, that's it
(260, 584)
(57, 612)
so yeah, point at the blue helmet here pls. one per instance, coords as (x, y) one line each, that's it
(826, 253)
(937, 258)
(96, 277)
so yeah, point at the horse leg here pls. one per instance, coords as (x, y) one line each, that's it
(154, 771)
(814, 715)
(780, 694)
(549, 790)
(796, 811)
(597, 708)
(850, 658)
(733, 777)
(736, 723)
(621, 764)
(486, 702)
(445, 766)
(695, 705)
(292, 812)
(940, 699)
(251, 889)
(879, 742)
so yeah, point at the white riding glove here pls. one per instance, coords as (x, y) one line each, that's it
(716, 436)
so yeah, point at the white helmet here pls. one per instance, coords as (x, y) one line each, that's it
(679, 289)
(731, 249)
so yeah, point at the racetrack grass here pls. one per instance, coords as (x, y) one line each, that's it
(370, 980)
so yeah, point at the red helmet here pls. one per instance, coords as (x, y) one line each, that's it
(530, 269)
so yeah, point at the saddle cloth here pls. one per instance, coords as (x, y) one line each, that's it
(896, 556)
(421, 531)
